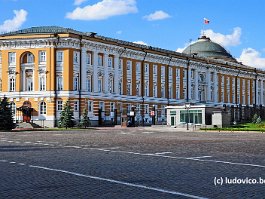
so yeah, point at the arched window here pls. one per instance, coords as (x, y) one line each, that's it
(43, 108)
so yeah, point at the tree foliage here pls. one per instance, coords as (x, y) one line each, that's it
(66, 120)
(6, 115)
(85, 120)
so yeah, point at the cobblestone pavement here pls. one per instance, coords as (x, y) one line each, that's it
(132, 163)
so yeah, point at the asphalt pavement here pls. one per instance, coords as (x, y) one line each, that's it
(132, 163)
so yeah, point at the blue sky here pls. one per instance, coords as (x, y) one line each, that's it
(170, 24)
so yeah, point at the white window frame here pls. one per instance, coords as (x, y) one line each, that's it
(102, 105)
(59, 105)
(0, 57)
(89, 58)
(110, 61)
(42, 83)
(59, 84)
(76, 57)
(76, 106)
(43, 108)
(90, 107)
(89, 83)
(12, 58)
(42, 56)
(75, 83)
(100, 60)
(12, 84)
(29, 84)
(59, 56)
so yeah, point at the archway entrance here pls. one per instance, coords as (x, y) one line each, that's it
(26, 111)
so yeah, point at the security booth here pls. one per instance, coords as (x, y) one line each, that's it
(192, 115)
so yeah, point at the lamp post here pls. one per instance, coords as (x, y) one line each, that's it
(187, 107)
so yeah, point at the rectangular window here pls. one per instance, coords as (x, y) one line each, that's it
(11, 58)
(75, 83)
(59, 105)
(138, 67)
(76, 57)
(100, 60)
(110, 61)
(177, 72)
(129, 65)
(112, 106)
(59, 83)
(146, 109)
(90, 106)
(154, 69)
(129, 87)
(76, 107)
(42, 56)
(170, 71)
(120, 63)
(102, 106)
(154, 90)
(89, 58)
(59, 56)
(100, 85)
(12, 84)
(89, 84)
(146, 68)
(29, 84)
(191, 116)
(42, 83)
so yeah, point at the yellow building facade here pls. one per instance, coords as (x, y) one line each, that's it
(43, 67)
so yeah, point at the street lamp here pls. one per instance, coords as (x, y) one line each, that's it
(187, 107)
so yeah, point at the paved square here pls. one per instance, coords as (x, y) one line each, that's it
(132, 163)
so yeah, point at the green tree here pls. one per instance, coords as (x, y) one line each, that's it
(85, 120)
(6, 115)
(66, 120)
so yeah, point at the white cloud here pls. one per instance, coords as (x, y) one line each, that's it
(225, 40)
(252, 57)
(15, 23)
(103, 10)
(140, 42)
(79, 2)
(119, 32)
(157, 15)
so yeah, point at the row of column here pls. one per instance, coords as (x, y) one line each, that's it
(96, 71)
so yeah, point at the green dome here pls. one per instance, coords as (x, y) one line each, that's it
(204, 47)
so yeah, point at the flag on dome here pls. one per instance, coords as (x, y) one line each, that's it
(206, 21)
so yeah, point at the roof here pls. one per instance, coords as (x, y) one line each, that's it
(204, 47)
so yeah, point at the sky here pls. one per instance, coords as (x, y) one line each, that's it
(238, 25)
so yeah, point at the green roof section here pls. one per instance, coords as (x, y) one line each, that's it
(204, 47)
(46, 29)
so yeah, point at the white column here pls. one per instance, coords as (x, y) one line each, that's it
(261, 93)
(24, 80)
(196, 85)
(95, 72)
(116, 73)
(215, 87)
(189, 83)
(83, 69)
(208, 80)
(106, 75)
(257, 92)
